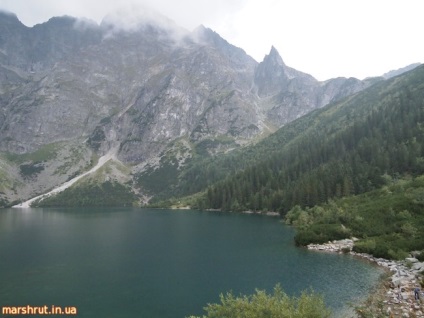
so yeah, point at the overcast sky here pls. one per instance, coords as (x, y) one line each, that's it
(325, 38)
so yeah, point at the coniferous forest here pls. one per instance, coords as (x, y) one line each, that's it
(343, 149)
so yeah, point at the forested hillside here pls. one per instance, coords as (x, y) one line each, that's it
(389, 221)
(345, 148)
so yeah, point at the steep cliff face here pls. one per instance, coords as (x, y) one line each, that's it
(138, 91)
(130, 87)
(288, 94)
(38, 48)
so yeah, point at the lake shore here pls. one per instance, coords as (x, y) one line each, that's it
(394, 294)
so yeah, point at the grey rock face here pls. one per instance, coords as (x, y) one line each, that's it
(289, 94)
(139, 90)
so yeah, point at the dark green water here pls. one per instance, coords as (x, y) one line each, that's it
(160, 263)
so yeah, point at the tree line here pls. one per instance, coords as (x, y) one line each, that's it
(347, 149)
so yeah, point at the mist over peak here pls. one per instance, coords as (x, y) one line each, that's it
(133, 18)
(10, 18)
(8, 14)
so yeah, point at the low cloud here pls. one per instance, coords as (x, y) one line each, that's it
(135, 17)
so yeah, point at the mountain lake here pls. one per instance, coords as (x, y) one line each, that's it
(130, 262)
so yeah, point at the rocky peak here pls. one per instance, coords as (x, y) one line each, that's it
(39, 47)
(199, 32)
(274, 57)
(12, 34)
(10, 27)
(271, 75)
(207, 36)
(8, 18)
(212, 40)
(59, 22)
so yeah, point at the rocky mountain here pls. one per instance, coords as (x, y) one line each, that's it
(346, 148)
(394, 73)
(287, 94)
(153, 94)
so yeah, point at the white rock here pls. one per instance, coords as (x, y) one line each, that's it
(418, 266)
(411, 259)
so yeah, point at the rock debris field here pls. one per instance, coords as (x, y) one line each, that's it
(397, 294)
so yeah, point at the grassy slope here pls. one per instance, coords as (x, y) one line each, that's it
(106, 187)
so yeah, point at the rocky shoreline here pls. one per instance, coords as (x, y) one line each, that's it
(395, 295)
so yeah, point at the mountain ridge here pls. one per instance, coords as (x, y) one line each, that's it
(149, 93)
(346, 148)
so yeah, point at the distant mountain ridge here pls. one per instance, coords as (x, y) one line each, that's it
(158, 95)
(394, 73)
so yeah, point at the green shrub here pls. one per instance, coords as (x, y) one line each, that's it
(30, 169)
(346, 250)
(263, 305)
(105, 194)
(303, 238)
(397, 254)
(321, 233)
(365, 246)
(381, 250)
